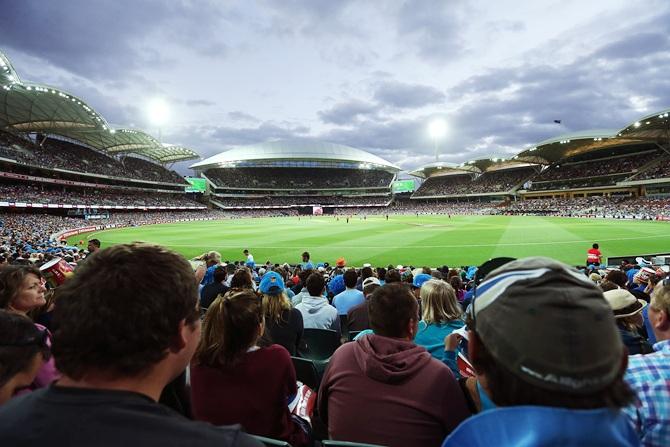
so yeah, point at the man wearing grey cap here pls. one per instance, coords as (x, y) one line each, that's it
(547, 353)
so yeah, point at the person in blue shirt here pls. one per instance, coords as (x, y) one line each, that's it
(441, 315)
(547, 354)
(351, 296)
(649, 375)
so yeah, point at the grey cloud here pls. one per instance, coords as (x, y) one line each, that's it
(644, 43)
(238, 115)
(264, 132)
(434, 29)
(348, 112)
(199, 103)
(402, 95)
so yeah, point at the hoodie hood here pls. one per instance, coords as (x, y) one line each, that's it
(389, 360)
(314, 304)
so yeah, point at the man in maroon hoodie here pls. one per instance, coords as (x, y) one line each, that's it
(384, 389)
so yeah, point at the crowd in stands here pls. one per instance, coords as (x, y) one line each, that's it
(444, 185)
(309, 351)
(660, 170)
(53, 153)
(298, 178)
(35, 194)
(597, 206)
(500, 181)
(315, 200)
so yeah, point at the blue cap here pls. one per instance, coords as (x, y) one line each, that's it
(336, 285)
(420, 279)
(271, 284)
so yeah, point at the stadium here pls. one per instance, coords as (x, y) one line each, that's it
(276, 231)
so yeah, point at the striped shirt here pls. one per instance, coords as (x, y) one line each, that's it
(649, 376)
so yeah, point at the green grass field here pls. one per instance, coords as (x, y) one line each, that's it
(424, 240)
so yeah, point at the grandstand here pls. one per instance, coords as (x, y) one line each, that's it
(59, 156)
(297, 173)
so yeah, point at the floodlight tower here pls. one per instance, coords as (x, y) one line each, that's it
(437, 130)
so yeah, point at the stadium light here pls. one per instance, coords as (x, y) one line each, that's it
(158, 112)
(437, 130)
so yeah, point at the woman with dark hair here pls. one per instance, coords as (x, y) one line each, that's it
(23, 350)
(459, 289)
(234, 381)
(22, 291)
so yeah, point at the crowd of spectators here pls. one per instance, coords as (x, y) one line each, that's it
(298, 178)
(489, 182)
(596, 206)
(659, 170)
(52, 153)
(308, 351)
(445, 185)
(285, 201)
(30, 193)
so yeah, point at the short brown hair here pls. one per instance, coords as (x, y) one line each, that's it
(122, 310)
(391, 307)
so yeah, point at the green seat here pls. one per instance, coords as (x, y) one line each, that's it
(320, 344)
(347, 444)
(271, 442)
(306, 371)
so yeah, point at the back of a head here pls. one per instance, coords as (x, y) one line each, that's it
(122, 310)
(350, 278)
(241, 280)
(546, 336)
(20, 342)
(366, 272)
(439, 302)
(618, 277)
(230, 327)
(220, 274)
(392, 276)
(391, 307)
(315, 284)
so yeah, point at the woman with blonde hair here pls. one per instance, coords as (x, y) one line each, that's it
(283, 323)
(204, 274)
(441, 315)
(230, 379)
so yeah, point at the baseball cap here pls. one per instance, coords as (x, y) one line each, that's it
(624, 304)
(341, 262)
(271, 284)
(336, 285)
(420, 279)
(549, 325)
(369, 281)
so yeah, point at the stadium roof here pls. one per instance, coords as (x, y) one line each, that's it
(443, 168)
(655, 127)
(297, 149)
(568, 145)
(28, 107)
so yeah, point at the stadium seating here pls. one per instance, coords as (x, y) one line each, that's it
(298, 178)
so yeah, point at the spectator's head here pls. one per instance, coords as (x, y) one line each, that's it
(350, 278)
(21, 289)
(241, 280)
(366, 272)
(596, 246)
(370, 285)
(213, 258)
(607, 285)
(418, 281)
(315, 284)
(392, 275)
(220, 274)
(381, 273)
(427, 270)
(394, 312)
(232, 325)
(542, 334)
(275, 301)
(305, 256)
(627, 309)
(439, 303)
(97, 335)
(93, 245)
(456, 282)
(659, 310)
(618, 277)
(23, 350)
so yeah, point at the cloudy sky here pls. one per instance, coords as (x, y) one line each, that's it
(369, 74)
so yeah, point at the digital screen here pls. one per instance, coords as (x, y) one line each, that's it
(403, 186)
(197, 184)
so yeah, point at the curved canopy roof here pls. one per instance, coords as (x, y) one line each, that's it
(655, 127)
(28, 107)
(568, 145)
(442, 168)
(297, 149)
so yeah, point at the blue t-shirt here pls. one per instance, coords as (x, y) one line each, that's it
(431, 336)
(348, 299)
